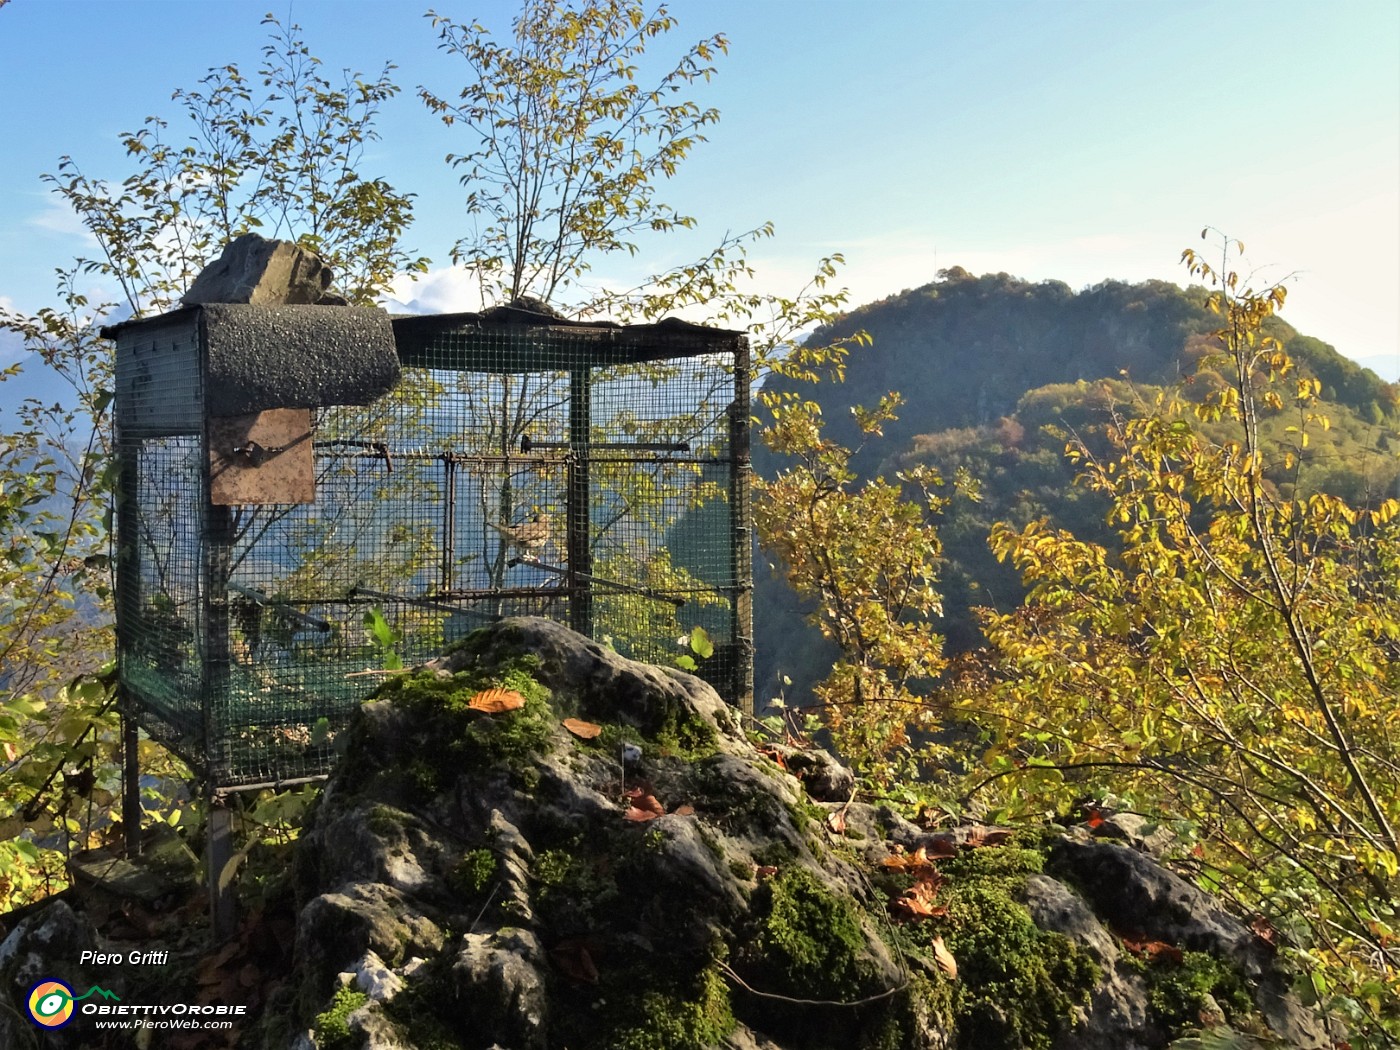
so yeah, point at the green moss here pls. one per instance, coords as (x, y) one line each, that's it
(686, 735)
(711, 842)
(1177, 992)
(551, 868)
(775, 854)
(385, 821)
(806, 815)
(447, 734)
(473, 874)
(696, 1016)
(1007, 861)
(714, 792)
(1018, 985)
(681, 734)
(417, 1012)
(925, 1005)
(614, 735)
(809, 942)
(332, 1028)
(571, 888)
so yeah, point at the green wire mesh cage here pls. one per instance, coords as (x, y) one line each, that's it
(295, 516)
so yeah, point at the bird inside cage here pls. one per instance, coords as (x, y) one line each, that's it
(530, 537)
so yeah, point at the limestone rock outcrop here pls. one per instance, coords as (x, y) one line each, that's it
(551, 846)
(532, 843)
(253, 269)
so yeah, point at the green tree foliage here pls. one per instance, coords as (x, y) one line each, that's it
(566, 148)
(565, 154)
(867, 553)
(280, 153)
(1023, 475)
(1232, 669)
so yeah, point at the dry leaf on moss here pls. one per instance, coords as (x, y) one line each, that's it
(774, 754)
(581, 729)
(986, 835)
(918, 863)
(917, 902)
(1152, 951)
(944, 958)
(496, 701)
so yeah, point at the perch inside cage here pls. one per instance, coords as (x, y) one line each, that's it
(292, 474)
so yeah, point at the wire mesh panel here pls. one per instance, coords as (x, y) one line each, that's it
(594, 474)
(159, 410)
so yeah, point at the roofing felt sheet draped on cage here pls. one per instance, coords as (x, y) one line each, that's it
(259, 357)
(242, 628)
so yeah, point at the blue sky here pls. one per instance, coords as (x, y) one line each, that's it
(1078, 140)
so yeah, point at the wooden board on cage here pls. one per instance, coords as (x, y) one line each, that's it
(260, 459)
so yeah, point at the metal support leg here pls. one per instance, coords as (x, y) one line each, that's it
(222, 911)
(131, 782)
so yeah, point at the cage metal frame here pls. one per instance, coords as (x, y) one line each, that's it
(164, 455)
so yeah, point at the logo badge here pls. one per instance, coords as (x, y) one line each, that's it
(51, 1004)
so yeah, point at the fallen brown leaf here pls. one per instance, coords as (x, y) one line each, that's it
(944, 958)
(1265, 931)
(685, 810)
(917, 902)
(918, 863)
(644, 807)
(945, 845)
(986, 835)
(496, 701)
(1152, 951)
(581, 729)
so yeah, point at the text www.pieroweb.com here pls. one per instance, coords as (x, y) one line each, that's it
(167, 1018)
(171, 1023)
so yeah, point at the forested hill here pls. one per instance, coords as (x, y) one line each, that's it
(996, 371)
(963, 350)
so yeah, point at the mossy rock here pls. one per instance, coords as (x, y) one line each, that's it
(332, 1027)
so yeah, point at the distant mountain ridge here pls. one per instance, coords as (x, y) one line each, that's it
(963, 349)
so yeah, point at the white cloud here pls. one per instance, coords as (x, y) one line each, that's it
(58, 217)
(445, 290)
